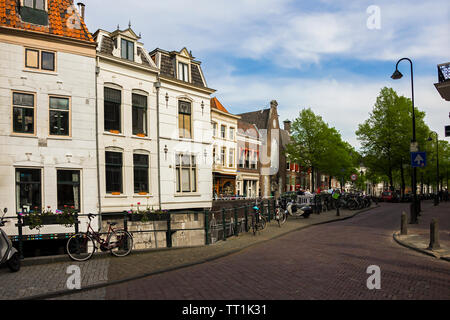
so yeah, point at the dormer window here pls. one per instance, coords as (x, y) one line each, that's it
(127, 50)
(35, 4)
(34, 11)
(183, 72)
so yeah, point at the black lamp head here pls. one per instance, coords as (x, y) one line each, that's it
(397, 75)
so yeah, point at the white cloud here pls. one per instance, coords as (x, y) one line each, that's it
(342, 103)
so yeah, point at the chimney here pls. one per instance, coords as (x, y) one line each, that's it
(287, 125)
(81, 7)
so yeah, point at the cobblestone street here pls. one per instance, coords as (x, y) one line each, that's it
(322, 262)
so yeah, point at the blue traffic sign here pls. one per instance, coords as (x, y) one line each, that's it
(418, 159)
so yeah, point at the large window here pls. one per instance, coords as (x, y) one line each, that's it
(254, 161)
(139, 114)
(23, 113)
(59, 116)
(231, 158)
(112, 100)
(184, 119)
(68, 187)
(113, 164)
(214, 127)
(140, 166)
(28, 190)
(127, 50)
(186, 172)
(223, 130)
(183, 72)
(223, 153)
(231, 135)
(39, 59)
(214, 154)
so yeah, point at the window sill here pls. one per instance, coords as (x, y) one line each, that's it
(51, 73)
(186, 194)
(106, 133)
(136, 195)
(116, 196)
(142, 138)
(23, 135)
(59, 138)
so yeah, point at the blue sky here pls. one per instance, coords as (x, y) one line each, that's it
(317, 54)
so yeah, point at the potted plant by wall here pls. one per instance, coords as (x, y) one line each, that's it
(36, 218)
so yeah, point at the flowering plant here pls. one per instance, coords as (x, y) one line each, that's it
(37, 218)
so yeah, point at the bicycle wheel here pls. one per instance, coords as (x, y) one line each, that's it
(283, 217)
(262, 222)
(80, 247)
(121, 243)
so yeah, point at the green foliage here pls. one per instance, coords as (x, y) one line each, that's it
(386, 136)
(316, 145)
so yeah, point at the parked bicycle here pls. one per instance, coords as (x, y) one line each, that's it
(280, 213)
(81, 246)
(258, 220)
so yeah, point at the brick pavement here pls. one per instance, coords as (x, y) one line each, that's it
(42, 279)
(47, 278)
(419, 234)
(321, 262)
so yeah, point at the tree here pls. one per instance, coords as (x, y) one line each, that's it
(317, 146)
(386, 136)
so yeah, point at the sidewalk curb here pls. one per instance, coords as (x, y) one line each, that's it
(190, 264)
(423, 251)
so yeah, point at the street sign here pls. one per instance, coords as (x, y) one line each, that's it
(447, 131)
(354, 177)
(414, 147)
(418, 159)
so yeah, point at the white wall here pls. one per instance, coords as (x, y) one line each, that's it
(75, 78)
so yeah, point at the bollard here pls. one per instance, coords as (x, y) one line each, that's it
(224, 225)
(268, 210)
(403, 224)
(434, 235)
(206, 227)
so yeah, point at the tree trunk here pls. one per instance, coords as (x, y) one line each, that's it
(313, 185)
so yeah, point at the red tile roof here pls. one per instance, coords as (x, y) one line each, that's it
(63, 19)
(215, 103)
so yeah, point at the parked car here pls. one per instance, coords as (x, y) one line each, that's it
(389, 196)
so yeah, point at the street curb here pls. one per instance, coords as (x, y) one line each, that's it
(190, 264)
(423, 251)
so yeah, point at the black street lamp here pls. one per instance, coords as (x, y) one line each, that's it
(436, 198)
(398, 75)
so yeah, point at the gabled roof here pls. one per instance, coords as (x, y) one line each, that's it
(63, 20)
(247, 129)
(259, 118)
(215, 103)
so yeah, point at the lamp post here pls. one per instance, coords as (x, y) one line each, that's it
(398, 75)
(436, 198)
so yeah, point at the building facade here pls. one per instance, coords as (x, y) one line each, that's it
(185, 131)
(272, 173)
(47, 122)
(248, 146)
(126, 122)
(224, 149)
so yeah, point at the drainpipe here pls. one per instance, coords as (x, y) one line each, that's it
(158, 86)
(97, 71)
